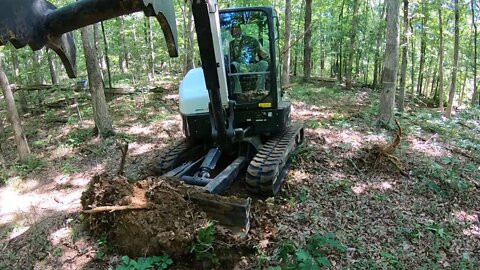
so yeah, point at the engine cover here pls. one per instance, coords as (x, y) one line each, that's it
(194, 97)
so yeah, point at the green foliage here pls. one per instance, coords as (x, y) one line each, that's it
(203, 246)
(31, 164)
(68, 168)
(3, 177)
(145, 263)
(314, 255)
(77, 136)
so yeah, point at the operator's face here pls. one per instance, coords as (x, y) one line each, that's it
(236, 31)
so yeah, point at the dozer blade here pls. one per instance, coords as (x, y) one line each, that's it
(230, 212)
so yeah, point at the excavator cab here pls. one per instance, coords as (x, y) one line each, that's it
(246, 47)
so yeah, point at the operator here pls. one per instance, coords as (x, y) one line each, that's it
(247, 55)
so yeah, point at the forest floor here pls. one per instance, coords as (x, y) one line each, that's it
(340, 207)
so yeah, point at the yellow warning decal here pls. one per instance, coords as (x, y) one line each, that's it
(265, 105)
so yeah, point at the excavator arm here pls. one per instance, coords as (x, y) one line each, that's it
(39, 23)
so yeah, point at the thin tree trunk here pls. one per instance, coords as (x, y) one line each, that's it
(53, 69)
(434, 83)
(124, 53)
(339, 63)
(16, 76)
(423, 48)
(462, 92)
(412, 70)
(453, 83)
(307, 42)
(440, 62)
(348, 84)
(102, 120)
(403, 69)
(376, 63)
(107, 57)
(287, 43)
(387, 99)
(20, 139)
(190, 30)
(475, 95)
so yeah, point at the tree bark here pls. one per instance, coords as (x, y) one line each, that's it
(124, 53)
(52, 68)
(16, 76)
(307, 42)
(387, 99)
(190, 31)
(348, 84)
(423, 49)
(287, 43)
(102, 119)
(453, 83)
(107, 57)
(440, 62)
(20, 139)
(376, 60)
(475, 95)
(403, 69)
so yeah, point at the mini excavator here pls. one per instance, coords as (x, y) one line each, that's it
(234, 126)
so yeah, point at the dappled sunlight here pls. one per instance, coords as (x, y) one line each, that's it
(298, 176)
(473, 231)
(136, 149)
(140, 130)
(465, 217)
(363, 188)
(429, 148)
(60, 152)
(172, 96)
(34, 205)
(470, 221)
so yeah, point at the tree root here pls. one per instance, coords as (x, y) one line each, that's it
(378, 154)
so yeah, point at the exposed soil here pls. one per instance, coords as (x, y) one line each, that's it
(164, 221)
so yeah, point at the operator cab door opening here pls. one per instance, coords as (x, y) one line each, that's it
(246, 48)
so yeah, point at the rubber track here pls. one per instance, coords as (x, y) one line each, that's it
(270, 160)
(166, 161)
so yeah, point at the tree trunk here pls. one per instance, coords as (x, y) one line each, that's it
(403, 69)
(189, 36)
(453, 83)
(339, 64)
(107, 57)
(352, 45)
(124, 53)
(102, 120)
(475, 95)
(423, 49)
(387, 99)
(16, 76)
(376, 60)
(412, 70)
(433, 93)
(36, 66)
(287, 43)
(20, 139)
(440, 62)
(53, 69)
(149, 41)
(307, 42)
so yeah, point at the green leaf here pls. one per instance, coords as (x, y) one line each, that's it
(125, 259)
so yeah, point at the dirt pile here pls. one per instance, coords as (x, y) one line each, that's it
(149, 217)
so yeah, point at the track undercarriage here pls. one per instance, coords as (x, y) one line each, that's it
(264, 166)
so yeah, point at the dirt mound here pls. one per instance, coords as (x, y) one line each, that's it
(149, 217)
